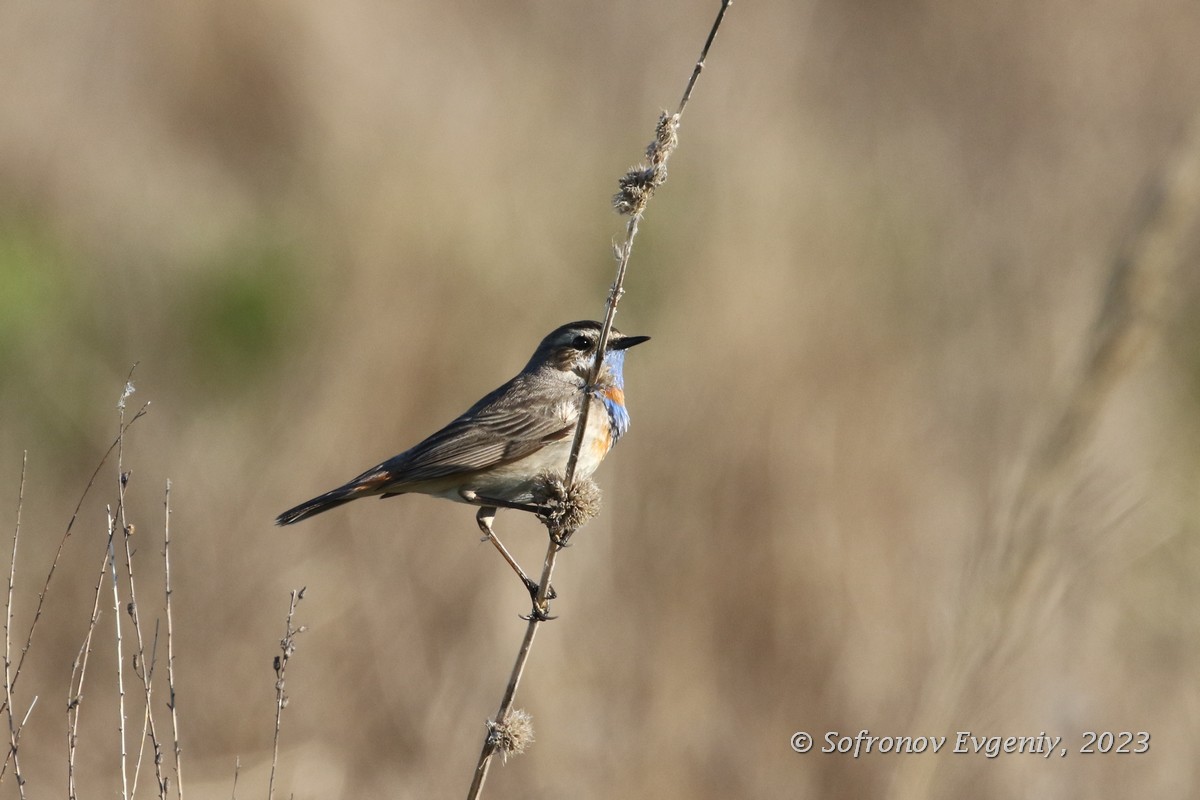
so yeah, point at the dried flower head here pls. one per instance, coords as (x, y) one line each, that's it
(666, 138)
(567, 509)
(129, 390)
(637, 186)
(513, 734)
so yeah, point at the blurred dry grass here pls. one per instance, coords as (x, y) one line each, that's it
(872, 282)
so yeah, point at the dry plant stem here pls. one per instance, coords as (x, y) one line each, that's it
(171, 643)
(37, 613)
(78, 674)
(712, 34)
(122, 480)
(143, 668)
(658, 153)
(510, 692)
(139, 659)
(112, 563)
(79, 667)
(14, 732)
(20, 727)
(288, 646)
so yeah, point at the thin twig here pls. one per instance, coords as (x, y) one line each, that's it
(288, 646)
(14, 731)
(78, 673)
(37, 614)
(20, 728)
(171, 642)
(712, 34)
(645, 180)
(79, 667)
(637, 188)
(112, 563)
(122, 481)
(143, 668)
(28, 711)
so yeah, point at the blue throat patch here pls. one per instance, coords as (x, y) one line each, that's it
(618, 417)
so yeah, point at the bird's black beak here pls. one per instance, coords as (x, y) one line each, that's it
(625, 342)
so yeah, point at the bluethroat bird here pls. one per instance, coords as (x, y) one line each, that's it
(495, 453)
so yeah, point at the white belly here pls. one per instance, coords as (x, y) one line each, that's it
(514, 482)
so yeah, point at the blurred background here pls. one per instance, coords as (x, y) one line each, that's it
(914, 448)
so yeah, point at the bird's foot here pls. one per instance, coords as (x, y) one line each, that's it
(538, 615)
(533, 588)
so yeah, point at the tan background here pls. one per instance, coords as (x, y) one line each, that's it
(323, 229)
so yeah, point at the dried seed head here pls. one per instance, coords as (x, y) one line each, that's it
(570, 508)
(637, 186)
(666, 138)
(512, 735)
(129, 389)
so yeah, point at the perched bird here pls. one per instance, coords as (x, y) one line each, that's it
(495, 453)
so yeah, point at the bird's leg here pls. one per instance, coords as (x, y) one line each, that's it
(546, 512)
(477, 499)
(484, 518)
(532, 508)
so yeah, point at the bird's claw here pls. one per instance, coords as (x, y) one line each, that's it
(533, 590)
(537, 614)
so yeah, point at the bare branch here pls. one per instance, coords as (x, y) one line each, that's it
(14, 730)
(288, 646)
(171, 643)
(78, 674)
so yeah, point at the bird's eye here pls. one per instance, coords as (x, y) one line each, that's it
(581, 343)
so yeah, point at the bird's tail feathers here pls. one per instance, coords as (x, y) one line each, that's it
(310, 508)
(369, 483)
